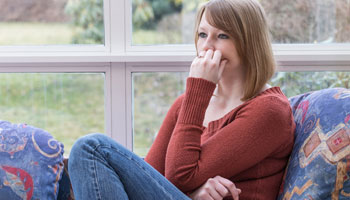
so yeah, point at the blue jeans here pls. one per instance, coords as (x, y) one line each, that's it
(100, 168)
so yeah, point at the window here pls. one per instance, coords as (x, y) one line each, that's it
(172, 22)
(308, 21)
(48, 22)
(153, 93)
(68, 105)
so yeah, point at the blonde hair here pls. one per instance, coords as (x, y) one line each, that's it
(245, 22)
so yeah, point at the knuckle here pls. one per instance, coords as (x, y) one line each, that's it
(206, 189)
(205, 62)
(212, 64)
(211, 180)
(231, 185)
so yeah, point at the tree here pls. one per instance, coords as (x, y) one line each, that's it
(87, 16)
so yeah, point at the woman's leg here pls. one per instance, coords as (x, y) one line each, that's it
(100, 168)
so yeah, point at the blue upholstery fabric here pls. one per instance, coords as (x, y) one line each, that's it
(319, 166)
(31, 163)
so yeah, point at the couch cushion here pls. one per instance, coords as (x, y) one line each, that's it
(31, 163)
(319, 166)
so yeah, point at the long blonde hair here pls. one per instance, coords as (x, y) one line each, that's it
(245, 22)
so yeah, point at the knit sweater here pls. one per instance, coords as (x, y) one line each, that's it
(250, 145)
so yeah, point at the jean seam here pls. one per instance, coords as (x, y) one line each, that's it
(93, 158)
(140, 167)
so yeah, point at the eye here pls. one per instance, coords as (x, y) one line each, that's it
(202, 35)
(223, 36)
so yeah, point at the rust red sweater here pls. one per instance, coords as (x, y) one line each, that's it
(250, 145)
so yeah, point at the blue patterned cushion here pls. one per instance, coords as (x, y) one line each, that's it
(31, 163)
(319, 166)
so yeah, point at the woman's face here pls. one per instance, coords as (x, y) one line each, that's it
(210, 37)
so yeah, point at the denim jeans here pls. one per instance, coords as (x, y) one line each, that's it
(100, 168)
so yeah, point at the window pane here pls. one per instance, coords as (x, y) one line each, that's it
(68, 105)
(294, 83)
(51, 22)
(153, 94)
(308, 21)
(300, 21)
(163, 21)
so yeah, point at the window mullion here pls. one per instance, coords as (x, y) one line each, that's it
(117, 15)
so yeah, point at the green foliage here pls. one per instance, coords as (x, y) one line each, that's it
(87, 16)
(147, 13)
(68, 105)
(142, 13)
(153, 37)
(294, 83)
(35, 33)
(153, 94)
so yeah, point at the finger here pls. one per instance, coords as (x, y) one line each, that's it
(209, 54)
(211, 188)
(230, 186)
(201, 54)
(195, 59)
(222, 190)
(215, 195)
(217, 57)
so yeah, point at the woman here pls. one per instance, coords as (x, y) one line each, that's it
(228, 136)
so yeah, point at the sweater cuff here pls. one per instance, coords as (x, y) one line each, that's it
(197, 97)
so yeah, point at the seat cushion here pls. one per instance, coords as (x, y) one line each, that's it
(319, 166)
(31, 163)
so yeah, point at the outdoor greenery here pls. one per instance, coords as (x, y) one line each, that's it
(68, 105)
(11, 33)
(87, 17)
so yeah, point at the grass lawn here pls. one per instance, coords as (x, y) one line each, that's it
(25, 33)
(67, 105)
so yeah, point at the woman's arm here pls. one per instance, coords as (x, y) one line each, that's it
(258, 130)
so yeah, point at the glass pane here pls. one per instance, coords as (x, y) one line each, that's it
(68, 105)
(51, 22)
(294, 83)
(301, 21)
(163, 21)
(308, 21)
(153, 94)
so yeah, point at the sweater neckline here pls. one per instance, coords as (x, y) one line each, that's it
(215, 123)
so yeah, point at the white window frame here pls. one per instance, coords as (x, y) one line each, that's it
(118, 59)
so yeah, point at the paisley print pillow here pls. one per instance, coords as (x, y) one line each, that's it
(31, 163)
(319, 166)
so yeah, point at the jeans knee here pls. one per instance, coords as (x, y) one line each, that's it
(84, 147)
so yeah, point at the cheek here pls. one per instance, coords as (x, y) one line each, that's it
(199, 45)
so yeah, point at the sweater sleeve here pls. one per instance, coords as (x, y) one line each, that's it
(258, 130)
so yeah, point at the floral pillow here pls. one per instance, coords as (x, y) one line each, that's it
(31, 163)
(319, 166)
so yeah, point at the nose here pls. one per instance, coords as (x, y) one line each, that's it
(208, 44)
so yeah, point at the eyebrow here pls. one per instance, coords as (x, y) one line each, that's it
(201, 28)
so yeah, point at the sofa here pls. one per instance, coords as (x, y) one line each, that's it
(32, 164)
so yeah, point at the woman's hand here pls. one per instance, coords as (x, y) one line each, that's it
(208, 65)
(216, 189)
